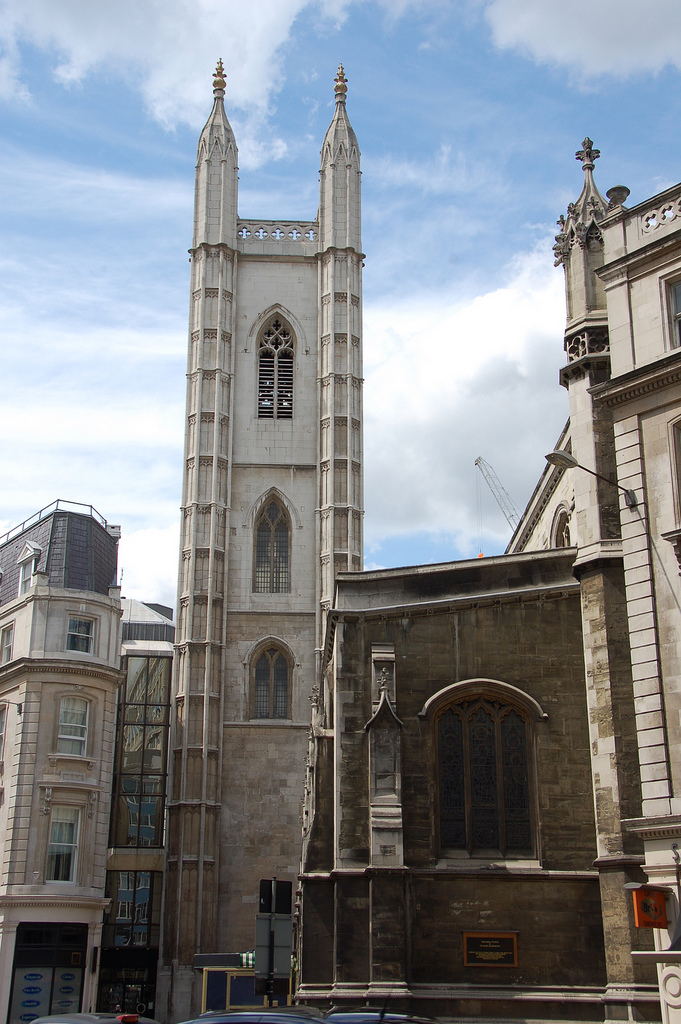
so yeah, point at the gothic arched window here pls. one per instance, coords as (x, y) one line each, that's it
(484, 779)
(270, 684)
(560, 530)
(272, 543)
(275, 372)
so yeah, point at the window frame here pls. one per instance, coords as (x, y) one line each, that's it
(471, 691)
(143, 715)
(272, 651)
(80, 619)
(73, 846)
(3, 730)
(64, 737)
(273, 571)
(5, 646)
(674, 307)
(498, 711)
(26, 570)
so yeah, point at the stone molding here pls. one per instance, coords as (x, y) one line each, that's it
(646, 380)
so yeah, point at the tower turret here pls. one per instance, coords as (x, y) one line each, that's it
(339, 179)
(217, 170)
(579, 245)
(340, 354)
(596, 530)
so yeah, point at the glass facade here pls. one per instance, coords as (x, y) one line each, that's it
(135, 913)
(141, 760)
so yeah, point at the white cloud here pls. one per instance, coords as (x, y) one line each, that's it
(620, 37)
(147, 560)
(446, 383)
(165, 48)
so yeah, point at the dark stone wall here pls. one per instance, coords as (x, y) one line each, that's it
(406, 925)
(533, 645)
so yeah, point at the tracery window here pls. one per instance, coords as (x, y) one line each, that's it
(484, 779)
(271, 558)
(271, 685)
(275, 372)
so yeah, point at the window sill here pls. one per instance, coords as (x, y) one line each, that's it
(485, 865)
(74, 759)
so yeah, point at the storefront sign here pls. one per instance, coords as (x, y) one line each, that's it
(650, 908)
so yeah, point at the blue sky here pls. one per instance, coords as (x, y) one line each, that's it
(468, 115)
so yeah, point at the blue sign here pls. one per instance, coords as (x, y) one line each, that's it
(32, 990)
(31, 1002)
(33, 977)
(68, 977)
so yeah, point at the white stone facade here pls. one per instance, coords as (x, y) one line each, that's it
(280, 438)
(52, 875)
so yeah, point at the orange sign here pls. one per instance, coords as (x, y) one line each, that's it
(650, 909)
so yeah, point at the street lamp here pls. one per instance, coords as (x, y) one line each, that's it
(567, 461)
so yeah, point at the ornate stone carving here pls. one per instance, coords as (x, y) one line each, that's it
(663, 215)
(47, 800)
(593, 341)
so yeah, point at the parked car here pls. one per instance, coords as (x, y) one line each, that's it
(94, 1018)
(373, 1015)
(261, 1015)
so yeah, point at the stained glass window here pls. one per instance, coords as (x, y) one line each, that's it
(484, 786)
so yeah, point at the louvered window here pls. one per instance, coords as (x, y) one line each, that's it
(270, 685)
(272, 535)
(275, 372)
(484, 780)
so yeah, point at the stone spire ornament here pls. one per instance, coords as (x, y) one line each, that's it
(341, 85)
(587, 154)
(219, 79)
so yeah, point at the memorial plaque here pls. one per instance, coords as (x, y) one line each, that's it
(490, 949)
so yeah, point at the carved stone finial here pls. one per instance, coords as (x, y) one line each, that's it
(341, 86)
(587, 154)
(219, 78)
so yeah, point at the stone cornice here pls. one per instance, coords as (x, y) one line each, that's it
(33, 666)
(56, 900)
(644, 380)
(632, 260)
(667, 826)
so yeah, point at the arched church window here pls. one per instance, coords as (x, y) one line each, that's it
(275, 372)
(484, 780)
(272, 543)
(562, 532)
(270, 684)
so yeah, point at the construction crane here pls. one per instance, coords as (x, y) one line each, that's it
(511, 513)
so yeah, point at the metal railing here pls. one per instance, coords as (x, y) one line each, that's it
(60, 505)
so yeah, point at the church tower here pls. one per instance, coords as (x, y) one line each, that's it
(271, 511)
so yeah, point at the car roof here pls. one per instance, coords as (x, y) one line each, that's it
(271, 1014)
